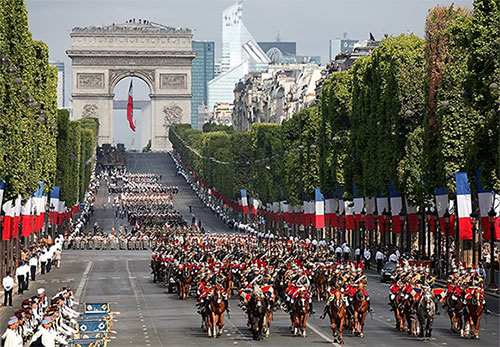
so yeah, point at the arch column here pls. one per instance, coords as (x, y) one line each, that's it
(167, 110)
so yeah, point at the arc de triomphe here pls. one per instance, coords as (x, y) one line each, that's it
(161, 56)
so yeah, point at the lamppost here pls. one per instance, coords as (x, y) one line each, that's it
(385, 214)
(492, 217)
(362, 229)
(437, 241)
(428, 214)
(337, 213)
(402, 220)
(473, 219)
(446, 216)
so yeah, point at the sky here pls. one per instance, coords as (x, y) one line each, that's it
(310, 23)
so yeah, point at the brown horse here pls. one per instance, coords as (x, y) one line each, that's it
(298, 314)
(228, 282)
(360, 308)
(215, 312)
(456, 312)
(319, 281)
(338, 313)
(184, 283)
(474, 311)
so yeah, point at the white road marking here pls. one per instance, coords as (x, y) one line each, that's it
(320, 334)
(83, 281)
(138, 291)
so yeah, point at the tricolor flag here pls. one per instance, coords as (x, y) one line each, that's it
(331, 205)
(443, 204)
(26, 218)
(464, 202)
(130, 108)
(319, 210)
(349, 215)
(9, 211)
(341, 212)
(17, 217)
(370, 211)
(308, 212)
(39, 202)
(244, 201)
(488, 199)
(358, 205)
(2, 188)
(382, 205)
(255, 206)
(54, 204)
(396, 208)
(411, 211)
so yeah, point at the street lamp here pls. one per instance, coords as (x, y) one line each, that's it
(402, 220)
(362, 228)
(492, 216)
(437, 242)
(385, 215)
(446, 216)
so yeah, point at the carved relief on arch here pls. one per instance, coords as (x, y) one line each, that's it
(116, 75)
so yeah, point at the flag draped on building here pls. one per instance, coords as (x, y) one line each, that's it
(130, 108)
(396, 208)
(488, 199)
(244, 201)
(319, 210)
(464, 202)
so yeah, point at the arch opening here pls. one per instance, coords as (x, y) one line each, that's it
(136, 140)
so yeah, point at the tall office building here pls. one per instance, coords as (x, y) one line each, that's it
(202, 71)
(240, 54)
(61, 91)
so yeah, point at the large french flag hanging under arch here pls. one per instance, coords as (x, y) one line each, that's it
(130, 108)
(464, 202)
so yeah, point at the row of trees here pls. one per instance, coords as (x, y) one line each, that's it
(37, 142)
(414, 113)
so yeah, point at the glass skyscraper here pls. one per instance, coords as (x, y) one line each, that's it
(240, 54)
(202, 71)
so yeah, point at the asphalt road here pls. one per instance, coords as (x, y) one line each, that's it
(151, 317)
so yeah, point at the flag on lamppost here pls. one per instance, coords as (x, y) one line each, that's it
(26, 215)
(9, 211)
(319, 211)
(54, 204)
(464, 202)
(244, 201)
(39, 201)
(130, 108)
(488, 199)
(443, 203)
(2, 188)
(382, 204)
(396, 208)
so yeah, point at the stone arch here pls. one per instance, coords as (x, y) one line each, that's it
(158, 55)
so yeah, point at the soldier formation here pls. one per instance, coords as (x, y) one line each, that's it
(276, 272)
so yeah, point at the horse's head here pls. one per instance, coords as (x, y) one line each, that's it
(337, 298)
(218, 293)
